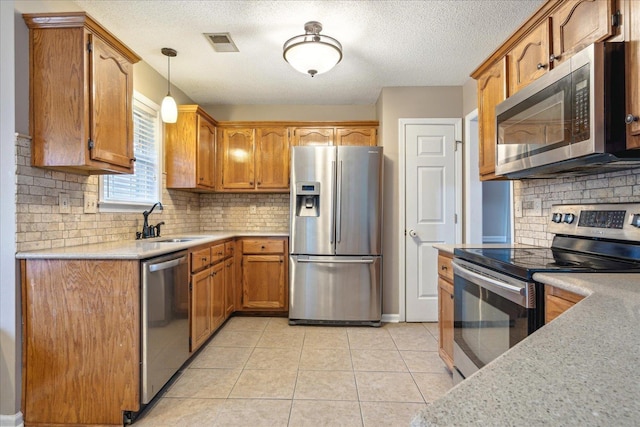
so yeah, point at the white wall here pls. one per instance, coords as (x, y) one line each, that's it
(291, 112)
(10, 337)
(393, 104)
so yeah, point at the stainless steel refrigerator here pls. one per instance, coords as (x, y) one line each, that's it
(335, 236)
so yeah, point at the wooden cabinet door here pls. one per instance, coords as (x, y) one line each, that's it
(529, 59)
(200, 308)
(238, 159)
(205, 169)
(361, 136)
(445, 321)
(557, 301)
(491, 91)
(632, 73)
(313, 136)
(217, 295)
(229, 286)
(111, 105)
(263, 282)
(578, 23)
(272, 158)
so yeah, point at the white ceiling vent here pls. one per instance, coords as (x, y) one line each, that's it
(221, 42)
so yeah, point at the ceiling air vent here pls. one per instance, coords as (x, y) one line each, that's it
(221, 42)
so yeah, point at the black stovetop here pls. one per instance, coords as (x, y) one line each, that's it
(523, 262)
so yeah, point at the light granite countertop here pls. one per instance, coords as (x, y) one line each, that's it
(139, 249)
(581, 369)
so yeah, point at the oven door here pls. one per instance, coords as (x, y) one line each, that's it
(492, 313)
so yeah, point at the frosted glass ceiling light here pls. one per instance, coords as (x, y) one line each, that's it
(312, 53)
(169, 109)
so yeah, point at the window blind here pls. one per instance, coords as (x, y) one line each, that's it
(142, 187)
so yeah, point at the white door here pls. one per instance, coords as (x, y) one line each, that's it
(432, 191)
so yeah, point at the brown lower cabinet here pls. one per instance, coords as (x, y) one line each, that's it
(81, 324)
(557, 301)
(81, 341)
(264, 267)
(445, 308)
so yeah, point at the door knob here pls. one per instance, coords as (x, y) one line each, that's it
(413, 233)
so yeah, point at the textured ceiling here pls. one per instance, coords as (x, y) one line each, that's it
(385, 44)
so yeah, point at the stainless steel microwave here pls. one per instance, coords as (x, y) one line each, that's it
(569, 121)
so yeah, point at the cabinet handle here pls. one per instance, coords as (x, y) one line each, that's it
(133, 159)
(630, 118)
(443, 267)
(220, 253)
(541, 66)
(553, 57)
(204, 259)
(451, 295)
(259, 182)
(202, 178)
(250, 182)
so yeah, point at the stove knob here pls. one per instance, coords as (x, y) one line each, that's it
(557, 218)
(569, 218)
(635, 220)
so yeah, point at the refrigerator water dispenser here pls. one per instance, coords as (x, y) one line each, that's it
(308, 199)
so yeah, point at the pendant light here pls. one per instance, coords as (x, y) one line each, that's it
(312, 53)
(169, 109)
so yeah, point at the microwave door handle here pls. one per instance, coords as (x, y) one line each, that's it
(484, 280)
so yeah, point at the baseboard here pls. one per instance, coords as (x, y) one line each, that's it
(14, 420)
(391, 318)
(494, 239)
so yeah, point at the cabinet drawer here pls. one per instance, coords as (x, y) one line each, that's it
(229, 249)
(200, 259)
(263, 246)
(217, 253)
(445, 269)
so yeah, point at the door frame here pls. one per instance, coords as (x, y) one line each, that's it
(457, 122)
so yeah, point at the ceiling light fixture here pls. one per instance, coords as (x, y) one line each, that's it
(312, 53)
(169, 109)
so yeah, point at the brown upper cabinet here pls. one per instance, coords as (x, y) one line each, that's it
(529, 59)
(313, 136)
(272, 158)
(190, 145)
(254, 159)
(578, 23)
(491, 91)
(80, 95)
(237, 153)
(365, 134)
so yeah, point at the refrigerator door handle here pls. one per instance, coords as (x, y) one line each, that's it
(333, 191)
(338, 261)
(339, 205)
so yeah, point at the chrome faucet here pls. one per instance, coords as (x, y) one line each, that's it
(148, 231)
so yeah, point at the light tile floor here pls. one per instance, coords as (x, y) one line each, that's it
(259, 371)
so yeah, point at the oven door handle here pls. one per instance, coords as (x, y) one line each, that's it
(517, 294)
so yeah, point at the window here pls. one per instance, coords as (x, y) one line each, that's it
(144, 188)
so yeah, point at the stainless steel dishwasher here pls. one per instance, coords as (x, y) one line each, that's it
(165, 320)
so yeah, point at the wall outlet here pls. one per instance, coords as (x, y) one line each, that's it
(253, 209)
(537, 207)
(64, 203)
(90, 203)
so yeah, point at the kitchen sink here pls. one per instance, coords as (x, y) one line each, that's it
(178, 240)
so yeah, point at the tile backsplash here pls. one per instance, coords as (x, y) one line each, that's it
(42, 224)
(537, 196)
